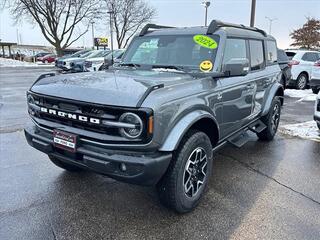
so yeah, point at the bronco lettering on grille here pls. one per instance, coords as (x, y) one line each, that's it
(70, 115)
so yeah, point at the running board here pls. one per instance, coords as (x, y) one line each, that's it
(239, 139)
(257, 127)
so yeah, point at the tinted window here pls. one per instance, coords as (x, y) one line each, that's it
(256, 54)
(272, 55)
(282, 56)
(235, 48)
(311, 57)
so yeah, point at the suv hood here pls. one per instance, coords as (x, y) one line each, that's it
(117, 87)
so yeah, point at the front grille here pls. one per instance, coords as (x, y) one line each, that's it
(90, 111)
(88, 64)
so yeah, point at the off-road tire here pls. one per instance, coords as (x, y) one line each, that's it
(65, 166)
(171, 188)
(302, 81)
(318, 124)
(269, 120)
(315, 90)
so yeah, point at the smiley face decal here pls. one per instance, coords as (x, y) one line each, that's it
(206, 66)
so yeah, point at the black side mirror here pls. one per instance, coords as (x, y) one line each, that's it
(236, 67)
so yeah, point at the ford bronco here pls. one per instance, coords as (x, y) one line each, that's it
(158, 116)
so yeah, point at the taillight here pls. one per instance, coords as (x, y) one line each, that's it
(293, 62)
(317, 64)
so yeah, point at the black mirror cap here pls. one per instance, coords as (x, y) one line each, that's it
(236, 67)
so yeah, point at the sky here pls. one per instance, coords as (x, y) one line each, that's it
(289, 14)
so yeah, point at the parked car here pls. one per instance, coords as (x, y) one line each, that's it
(178, 95)
(79, 64)
(317, 111)
(301, 65)
(62, 62)
(50, 58)
(39, 55)
(283, 62)
(315, 77)
(103, 63)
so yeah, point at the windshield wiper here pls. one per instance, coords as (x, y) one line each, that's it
(182, 69)
(129, 65)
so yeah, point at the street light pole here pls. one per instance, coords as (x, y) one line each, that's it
(92, 30)
(270, 22)
(111, 34)
(206, 5)
(253, 12)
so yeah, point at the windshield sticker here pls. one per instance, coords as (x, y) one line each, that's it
(206, 66)
(205, 41)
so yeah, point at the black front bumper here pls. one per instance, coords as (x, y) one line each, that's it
(141, 168)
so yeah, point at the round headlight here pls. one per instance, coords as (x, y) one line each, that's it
(135, 120)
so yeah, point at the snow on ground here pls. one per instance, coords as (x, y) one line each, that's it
(303, 95)
(5, 62)
(306, 130)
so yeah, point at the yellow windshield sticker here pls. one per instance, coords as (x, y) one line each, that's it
(205, 41)
(206, 66)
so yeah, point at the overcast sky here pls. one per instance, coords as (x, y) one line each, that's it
(290, 15)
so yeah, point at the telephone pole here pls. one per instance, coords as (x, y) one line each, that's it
(270, 22)
(253, 12)
(206, 5)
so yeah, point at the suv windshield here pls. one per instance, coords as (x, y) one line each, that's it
(177, 50)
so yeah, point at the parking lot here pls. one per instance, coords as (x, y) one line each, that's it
(261, 191)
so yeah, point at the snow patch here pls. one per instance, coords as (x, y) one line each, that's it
(306, 130)
(303, 95)
(6, 62)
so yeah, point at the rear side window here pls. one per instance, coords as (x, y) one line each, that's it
(235, 48)
(272, 55)
(256, 55)
(311, 57)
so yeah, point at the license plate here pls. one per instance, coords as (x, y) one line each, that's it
(64, 140)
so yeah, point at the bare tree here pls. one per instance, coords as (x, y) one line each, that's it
(58, 19)
(128, 17)
(308, 36)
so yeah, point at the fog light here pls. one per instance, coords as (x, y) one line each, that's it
(123, 167)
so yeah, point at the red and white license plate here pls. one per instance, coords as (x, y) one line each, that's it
(64, 140)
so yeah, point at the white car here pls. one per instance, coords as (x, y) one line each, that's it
(301, 65)
(315, 77)
(317, 111)
(97, 64)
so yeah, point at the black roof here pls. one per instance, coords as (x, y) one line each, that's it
(232, 30)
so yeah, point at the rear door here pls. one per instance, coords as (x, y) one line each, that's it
(308, 60)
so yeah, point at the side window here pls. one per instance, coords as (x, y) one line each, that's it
(272, 52)
(235, 48)
(310, 57)
(256, 55)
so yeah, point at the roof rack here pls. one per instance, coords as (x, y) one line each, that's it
(146, 28)
(215, 25)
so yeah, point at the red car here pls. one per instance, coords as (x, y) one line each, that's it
(50, 58)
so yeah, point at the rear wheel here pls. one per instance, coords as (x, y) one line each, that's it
(65, 166)
(186, 179)
(315, 90)
(271, 120)
(302, 81)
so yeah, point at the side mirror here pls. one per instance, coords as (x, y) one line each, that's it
(236, 67)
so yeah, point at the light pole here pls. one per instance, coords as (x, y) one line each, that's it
(92, 30)
(253, 12)
(206, 5)
(111, 33)
(270, 23)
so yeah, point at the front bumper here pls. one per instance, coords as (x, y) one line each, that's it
(141, 168)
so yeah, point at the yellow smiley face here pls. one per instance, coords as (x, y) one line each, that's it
(206, 66)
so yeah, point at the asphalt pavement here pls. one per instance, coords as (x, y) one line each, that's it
(260, 191)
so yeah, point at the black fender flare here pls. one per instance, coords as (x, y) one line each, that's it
(276, 90)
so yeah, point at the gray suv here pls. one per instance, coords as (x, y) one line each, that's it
(157, 117)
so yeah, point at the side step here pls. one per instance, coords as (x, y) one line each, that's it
(257, 127)
(239, 139)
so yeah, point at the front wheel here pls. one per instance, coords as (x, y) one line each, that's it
(186, 179)
(271, 120)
